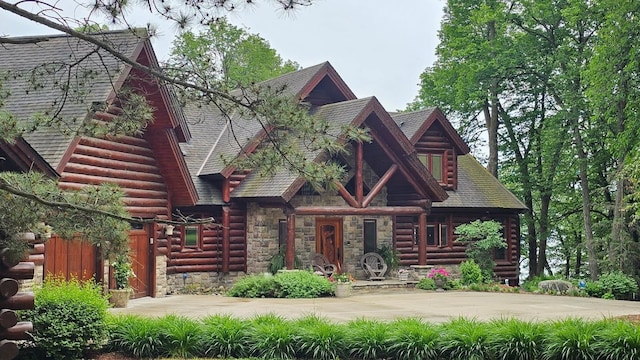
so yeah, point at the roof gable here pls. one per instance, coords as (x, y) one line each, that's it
(361, 112)
(415, 124)
(95, 76)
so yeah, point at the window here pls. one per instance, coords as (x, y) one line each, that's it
(370, 236)
(191, 237)
(435, 164)
(282, 234)
(437, 235)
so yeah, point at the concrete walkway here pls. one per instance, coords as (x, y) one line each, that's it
(391, 304)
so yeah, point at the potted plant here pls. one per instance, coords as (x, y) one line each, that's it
(403, 275)
(440, 277)
(122, 273)
(343, 284)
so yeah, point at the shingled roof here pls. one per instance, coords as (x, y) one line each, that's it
(477, 188)
(35, 75)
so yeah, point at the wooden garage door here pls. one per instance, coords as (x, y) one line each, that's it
(71, 259)
(78, 259)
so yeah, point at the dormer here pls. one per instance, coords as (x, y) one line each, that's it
(436, 142)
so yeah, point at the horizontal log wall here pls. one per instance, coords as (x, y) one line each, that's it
(126, 161)
(455, 253)
(210, 255)
(435, 140)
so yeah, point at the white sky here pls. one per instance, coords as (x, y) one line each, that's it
(379, 47)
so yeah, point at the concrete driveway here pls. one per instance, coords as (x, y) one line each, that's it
(388, 305)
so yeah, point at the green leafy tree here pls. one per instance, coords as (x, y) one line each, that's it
(227, 55)
(482, 238)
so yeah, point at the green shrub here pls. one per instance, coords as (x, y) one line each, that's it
(138, 336)
(471, 272)
(253, 286)
(368, 339)
(619, 284)
(481, 239)
(320, 339)
(69, 318)
(287, 284)
(301, 284)
(413, 339)
(224, 336)
(426, 284)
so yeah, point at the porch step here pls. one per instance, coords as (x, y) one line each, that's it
(363, 286)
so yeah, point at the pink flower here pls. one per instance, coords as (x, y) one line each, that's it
(438, 273)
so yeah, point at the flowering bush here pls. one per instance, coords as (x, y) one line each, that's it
(122, 271)
(438, 274)
(342, 278)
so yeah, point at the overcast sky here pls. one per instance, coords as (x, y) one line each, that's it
(379, 47)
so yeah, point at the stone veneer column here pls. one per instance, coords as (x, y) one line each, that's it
(162, 286)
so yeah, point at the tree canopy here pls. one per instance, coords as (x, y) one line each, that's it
(554, 83)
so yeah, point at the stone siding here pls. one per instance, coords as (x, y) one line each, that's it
(162, 287)
(200, 281)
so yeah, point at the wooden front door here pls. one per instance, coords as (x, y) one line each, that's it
(329, 240)
(141, 262)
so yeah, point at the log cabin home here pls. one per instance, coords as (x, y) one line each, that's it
(407, 189)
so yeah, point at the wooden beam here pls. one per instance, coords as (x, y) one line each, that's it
(359, 171)
(226, 190)
(424, 203)
(396, 160)
(379, 185)
(334, 210)
(346, 195)
(226, 248)
(290, 253)
(422, 242)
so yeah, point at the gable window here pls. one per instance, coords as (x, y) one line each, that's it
(435, 163)
(191, 237)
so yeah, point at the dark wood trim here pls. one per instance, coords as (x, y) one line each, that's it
(346, 195)
(422, 245)
(389, 152)
(290, 253)
(226, 241)
(226, 190)
(359, 169)
(328, 210)
(380, 185)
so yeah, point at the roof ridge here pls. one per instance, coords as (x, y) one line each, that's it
(133, 31)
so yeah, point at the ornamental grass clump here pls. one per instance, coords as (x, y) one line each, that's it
(619, 340)
(182, 336)
(138, 336)
(224, 336)
(368, 339)
(413, 339)
(572, 339)
(272, 337)
(465, 339)
(512, 339)
(317, 338)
